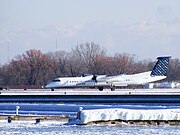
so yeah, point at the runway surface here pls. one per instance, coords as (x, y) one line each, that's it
(91, 96)
(91, 92)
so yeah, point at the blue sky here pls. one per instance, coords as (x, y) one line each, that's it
(146, 28)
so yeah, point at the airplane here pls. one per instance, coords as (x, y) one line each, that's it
(159, 72)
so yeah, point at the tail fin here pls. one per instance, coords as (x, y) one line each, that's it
(160, 69)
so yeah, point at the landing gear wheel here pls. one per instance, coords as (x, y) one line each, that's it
(113, 88)
(100, 88)
(52, 89)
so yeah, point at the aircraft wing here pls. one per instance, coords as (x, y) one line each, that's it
(105, 78)
(116, 78)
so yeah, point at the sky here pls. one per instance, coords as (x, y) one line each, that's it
(144, 28)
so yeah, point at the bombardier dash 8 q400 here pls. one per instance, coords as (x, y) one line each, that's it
(158, 72)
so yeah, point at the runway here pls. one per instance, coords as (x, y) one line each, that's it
(91, 95)
(91, 92)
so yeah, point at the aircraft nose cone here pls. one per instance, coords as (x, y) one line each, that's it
(52, 85)
(49, 85)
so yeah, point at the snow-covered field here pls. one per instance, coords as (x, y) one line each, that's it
(87, 116)
(95, 112)
(57, 128)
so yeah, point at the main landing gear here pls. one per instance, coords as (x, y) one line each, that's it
(111, 87)
(100, 88)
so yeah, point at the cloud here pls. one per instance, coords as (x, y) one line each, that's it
(145, 39)
(67, 31)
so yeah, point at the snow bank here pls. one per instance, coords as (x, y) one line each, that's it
(87, 116)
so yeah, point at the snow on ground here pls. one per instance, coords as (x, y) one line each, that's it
(87, 116)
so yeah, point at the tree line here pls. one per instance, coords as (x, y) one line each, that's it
(37, 68)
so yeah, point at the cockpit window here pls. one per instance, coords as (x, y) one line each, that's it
(56, 80)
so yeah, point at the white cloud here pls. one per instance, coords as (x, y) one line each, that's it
(145, 39)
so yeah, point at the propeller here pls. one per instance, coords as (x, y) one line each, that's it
(94, 78)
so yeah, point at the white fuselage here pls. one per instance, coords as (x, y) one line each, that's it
(70, 82)
(104, 81)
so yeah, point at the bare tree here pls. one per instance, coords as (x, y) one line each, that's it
(75, 66)
(174, 70)
(101, 64)
(5, 75)
(59, 60)
(30, 66)
(87, 54)
(122, 64)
